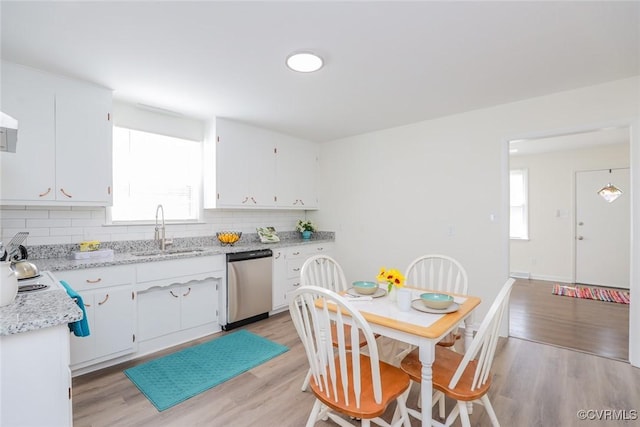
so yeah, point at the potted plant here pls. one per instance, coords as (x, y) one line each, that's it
(306, 228)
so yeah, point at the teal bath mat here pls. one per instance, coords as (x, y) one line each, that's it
(176, 377)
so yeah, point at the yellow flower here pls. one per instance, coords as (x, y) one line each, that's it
(392, 277)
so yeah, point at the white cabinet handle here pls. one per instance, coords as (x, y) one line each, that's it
(98, 280)
(45, 193)
(106, 298)
(188, 292)
(173, 295)
(65, 193)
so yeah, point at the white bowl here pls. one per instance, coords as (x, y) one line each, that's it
(436, 300)
(365, 288)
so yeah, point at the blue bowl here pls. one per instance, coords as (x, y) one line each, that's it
(436, 300)
(365, 288)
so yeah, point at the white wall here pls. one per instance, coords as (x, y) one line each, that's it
(548, 254)
(431, 186)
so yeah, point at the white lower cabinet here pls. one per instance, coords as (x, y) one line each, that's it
(35, 381)
(177, 300)
(287, 265)
(165, 310)
(109, 300)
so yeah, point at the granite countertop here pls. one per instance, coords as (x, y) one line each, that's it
(37, 310)
(183, 248)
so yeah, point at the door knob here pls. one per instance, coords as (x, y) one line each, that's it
(580, 238)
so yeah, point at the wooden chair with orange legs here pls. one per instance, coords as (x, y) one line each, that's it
(347, 383)
(465, 377)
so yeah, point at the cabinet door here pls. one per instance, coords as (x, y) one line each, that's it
(199, 302)
(279, 279)
(83, 144)
(113, 325)
(158, 312)
(245, 165)
(297, 174)
(83, 348)
(29, 173)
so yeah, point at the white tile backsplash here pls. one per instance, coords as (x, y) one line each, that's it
(64, 224)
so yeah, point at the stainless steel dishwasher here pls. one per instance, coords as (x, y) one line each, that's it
(249, 277)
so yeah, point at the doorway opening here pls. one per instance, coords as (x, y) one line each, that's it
(551, 251)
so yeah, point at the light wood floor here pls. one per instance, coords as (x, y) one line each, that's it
(596, 327)
(534, 385)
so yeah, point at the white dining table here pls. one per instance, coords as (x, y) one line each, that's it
(417, 328)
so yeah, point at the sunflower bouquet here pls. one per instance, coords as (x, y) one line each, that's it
(392, 277)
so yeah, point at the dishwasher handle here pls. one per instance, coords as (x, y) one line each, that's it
(243, 256)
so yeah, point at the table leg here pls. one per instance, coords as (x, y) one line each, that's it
(468, 332)
(427, 356)
(468, 337)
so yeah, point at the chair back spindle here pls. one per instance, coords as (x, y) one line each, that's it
(335, 370)
(484, 343)
(437, 272)
(323, 271)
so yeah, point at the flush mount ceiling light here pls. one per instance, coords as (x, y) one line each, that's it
(304, 62)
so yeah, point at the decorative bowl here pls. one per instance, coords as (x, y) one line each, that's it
(365, 288)
(436, 300)
(228, 237)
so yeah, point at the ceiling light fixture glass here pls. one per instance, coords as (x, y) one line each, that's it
(304, 62)
(610, 192)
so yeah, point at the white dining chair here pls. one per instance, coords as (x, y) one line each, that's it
(437, 272)
(434, 272)
(325, 272)
(465, 378)
(344, 380)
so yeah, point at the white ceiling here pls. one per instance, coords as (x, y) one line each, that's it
(387, 63)
(573, 141)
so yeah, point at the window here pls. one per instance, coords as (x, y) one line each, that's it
(151, 169)
(519, 203)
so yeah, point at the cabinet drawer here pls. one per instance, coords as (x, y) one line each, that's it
(92, 278)
(171, 269)
(294, 266)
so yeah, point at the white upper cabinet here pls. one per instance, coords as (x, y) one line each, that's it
(258, 168)
(29, 97)
(83, 143)
(245, 166)
(297, 174)
(63, 155)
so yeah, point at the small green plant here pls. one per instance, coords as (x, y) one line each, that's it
(305, 226)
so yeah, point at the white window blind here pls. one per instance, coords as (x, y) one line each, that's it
(519, 204)
(151, 169)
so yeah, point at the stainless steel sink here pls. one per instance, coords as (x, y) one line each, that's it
(158, 252)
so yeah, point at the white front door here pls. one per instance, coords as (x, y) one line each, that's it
(602, 229)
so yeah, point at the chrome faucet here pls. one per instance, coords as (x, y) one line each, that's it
(160, 232)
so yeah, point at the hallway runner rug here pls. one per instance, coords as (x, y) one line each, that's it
(174, 378)
(600, 294)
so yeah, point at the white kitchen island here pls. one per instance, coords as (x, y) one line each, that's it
(35, 380)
